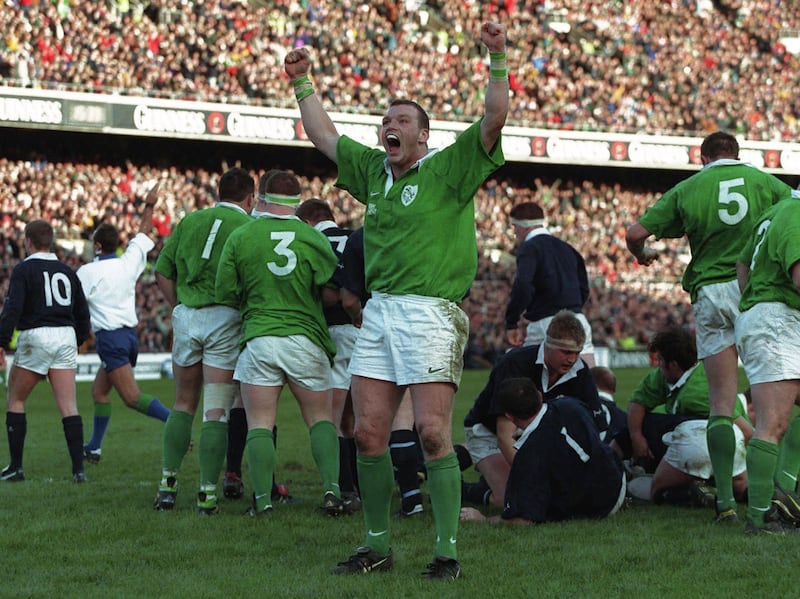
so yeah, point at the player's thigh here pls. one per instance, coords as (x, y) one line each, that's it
(481, 443)
(768, 340)
(715, 311)
(344, 338)
(420, 340)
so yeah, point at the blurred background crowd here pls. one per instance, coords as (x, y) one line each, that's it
(671, 67)
(679, 67)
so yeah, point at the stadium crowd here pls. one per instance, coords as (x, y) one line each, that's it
(678, 67)
(626, 306)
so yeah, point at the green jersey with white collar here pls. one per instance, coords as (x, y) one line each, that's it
(419, 231)
(716, 209)
(771, 252)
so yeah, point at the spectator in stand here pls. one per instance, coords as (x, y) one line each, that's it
(625, 79)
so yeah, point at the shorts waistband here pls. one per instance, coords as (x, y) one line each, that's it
(409, 298)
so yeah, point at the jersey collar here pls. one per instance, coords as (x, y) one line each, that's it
(535, 232)
(325, 225)
(534, 424)
(231, 205)
(418, 164)
(42, 256)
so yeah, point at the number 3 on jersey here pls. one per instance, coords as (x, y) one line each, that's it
(728, 197)
(284, 239)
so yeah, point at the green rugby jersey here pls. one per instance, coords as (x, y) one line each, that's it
(689, 395)
(419, 231)
(191, 253)
(772, 250)
(716, 209)
(272, 270)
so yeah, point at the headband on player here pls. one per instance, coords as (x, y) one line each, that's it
(278, 198)
(528, 223)
(564, 344)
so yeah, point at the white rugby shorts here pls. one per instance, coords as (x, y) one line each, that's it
(344, 338)
(768, 340)
(409, 339)
(687, 449)
(43, 348)
(480, 442)
(272, 361)
(209, 335)
(715, 311)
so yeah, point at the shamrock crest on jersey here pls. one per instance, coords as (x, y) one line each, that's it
(409, 194)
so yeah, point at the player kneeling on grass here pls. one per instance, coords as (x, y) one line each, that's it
(562, 470)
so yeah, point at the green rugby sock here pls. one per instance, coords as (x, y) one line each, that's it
(721, 449)
(177, 436)
(789, 457)
(376, 480)
(260, 453)
(325, 449)
(151, 406)
(213, 443)
(762, 458)
(444, 486)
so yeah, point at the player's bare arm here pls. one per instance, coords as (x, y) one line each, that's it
(493, 36)
(317, 124)
(168, 289)
(742, 274)
(150, 201)
(795, 270)
(635, 240)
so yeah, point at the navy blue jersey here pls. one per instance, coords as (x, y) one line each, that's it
(521, 362)
(338, 239)
(350, 273)
(563, 470)
(43, 292)
(551, 276)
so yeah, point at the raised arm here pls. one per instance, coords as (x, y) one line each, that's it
(493, 36)
(150, 200)
(317, 124)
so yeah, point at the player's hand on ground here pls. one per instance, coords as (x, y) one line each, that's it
(493, 35)
(297, 63)
(470, 514)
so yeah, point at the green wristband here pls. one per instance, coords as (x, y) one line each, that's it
(498, 67)
(302, 87)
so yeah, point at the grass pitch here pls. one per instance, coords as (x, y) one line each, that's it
(103, 539)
